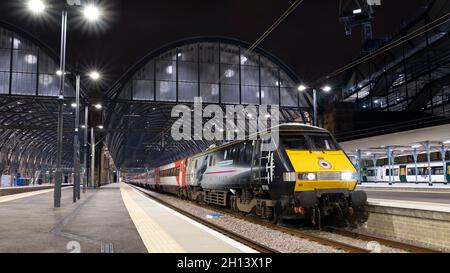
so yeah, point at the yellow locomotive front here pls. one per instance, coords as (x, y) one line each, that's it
(325, 178)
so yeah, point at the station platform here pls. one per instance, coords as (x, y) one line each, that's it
(114, 218)
(410, 196)
(21, 189)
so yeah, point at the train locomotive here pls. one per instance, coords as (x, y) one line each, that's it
(308, 176)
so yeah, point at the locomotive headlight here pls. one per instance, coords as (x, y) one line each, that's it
(311, 176)
(347, 176)
(307, 176)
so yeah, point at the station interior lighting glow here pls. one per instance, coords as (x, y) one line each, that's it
(36, 6)
(98, 106)
(326, 88)
(74, 105)
(357, 11)
(91, 13)
(302, 88)
(94, 75)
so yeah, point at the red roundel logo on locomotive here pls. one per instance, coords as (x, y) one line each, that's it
(324, 164)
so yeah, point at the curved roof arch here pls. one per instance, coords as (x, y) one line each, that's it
(112, 92)
(220, 70)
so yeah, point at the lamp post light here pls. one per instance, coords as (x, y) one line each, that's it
(325, 89)
(91, 13)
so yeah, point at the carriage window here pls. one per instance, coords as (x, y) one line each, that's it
(411, 171)
(210, 160)
(394, 172)
(437, 171)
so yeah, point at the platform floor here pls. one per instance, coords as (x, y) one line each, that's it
(99, 221)
(115, 218)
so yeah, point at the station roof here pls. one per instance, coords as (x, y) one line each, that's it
(222, 71)
(29, 88)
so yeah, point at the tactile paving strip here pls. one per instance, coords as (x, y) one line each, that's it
(155, 239)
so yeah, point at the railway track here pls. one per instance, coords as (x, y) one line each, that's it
(299, 233)
(383, 241)
(237, 237)
(255, 245)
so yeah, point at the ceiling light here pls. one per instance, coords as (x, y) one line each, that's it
(357, 11)
(326, 88)
(94, 75)
(36, 6)
(91, 13)
(301, 88)
(98, 106)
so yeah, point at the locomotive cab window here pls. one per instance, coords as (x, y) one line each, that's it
(321, 142)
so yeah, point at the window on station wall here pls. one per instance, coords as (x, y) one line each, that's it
(5, 60)
(24, 67)
(187, 91)
(166, 90)
(289, 93)
(48, 80)
(230, 93)
(229, 54)
(143, 82)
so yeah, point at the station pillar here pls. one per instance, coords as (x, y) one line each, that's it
(415, 156)
(374, 160)
(389, 153)
(427, 148)
(443, 151)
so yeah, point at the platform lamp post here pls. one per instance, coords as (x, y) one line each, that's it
(325, 89)
(91, 13)
(94, 76)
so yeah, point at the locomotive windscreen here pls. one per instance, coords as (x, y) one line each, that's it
(295, 141)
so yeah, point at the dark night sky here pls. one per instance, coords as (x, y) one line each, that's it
(311, 40)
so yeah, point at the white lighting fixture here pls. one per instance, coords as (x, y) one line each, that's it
(357, 11)
(268, 116)
(94, 75)
(301, 88)
(83, 126)
(91, 13)
(59, 73)
(36, 6)
(98, 106)
(100, 127)
(30, 58)
(179, 54)
(229, 73)
(74, 105)
(416, 146)
(447, 142)
(169, 69)
(326, 88)
(243, 59)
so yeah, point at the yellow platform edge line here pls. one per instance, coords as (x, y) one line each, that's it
(17, 196)
(155, 239)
